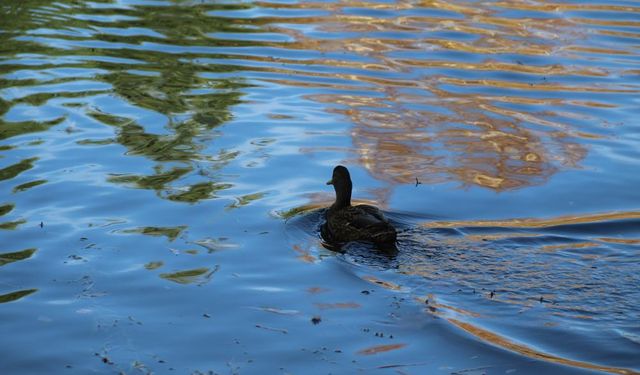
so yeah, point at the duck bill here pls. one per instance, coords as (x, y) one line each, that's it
(330, 182)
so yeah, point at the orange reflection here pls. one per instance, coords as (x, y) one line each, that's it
(305, 255)
(532, 353)
(471, 145)
(381, 349)
(537, 223)
(424, 115)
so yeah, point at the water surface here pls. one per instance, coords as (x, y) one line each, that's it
(162, 169)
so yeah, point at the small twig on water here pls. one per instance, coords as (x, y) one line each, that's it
(272, 329)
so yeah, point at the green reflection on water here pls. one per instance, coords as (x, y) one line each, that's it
(12, 129)
(156, 182)
(288, 214)
(7, 258)
(15, 169)
(246, 199)
(153, 265)
(4, 106)
(14, 296)
(96, 142)
(139, 70)
(28, 185)
(11, 225)
(198, 275)
(170, 232)
(200, 191)
(6, 208)
(182, 144)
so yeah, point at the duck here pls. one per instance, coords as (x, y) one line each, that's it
(346, 223)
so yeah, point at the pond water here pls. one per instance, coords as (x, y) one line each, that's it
(162, 170)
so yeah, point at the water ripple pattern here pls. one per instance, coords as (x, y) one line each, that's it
(161, 163)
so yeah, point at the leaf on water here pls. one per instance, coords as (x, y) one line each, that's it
(14, 296)
(28, 185)
(381, 349)
(7, 258)
(198, 275)
(170, 232)
(153, 265)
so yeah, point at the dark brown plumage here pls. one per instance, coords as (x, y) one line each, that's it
(346, 223)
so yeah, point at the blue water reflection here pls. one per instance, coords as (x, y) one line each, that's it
(162, 169)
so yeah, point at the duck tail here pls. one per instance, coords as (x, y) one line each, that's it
(385, 235)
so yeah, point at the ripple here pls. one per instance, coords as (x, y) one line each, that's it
(501, 138)
(518, 263)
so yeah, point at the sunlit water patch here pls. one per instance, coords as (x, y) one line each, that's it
(162, 168)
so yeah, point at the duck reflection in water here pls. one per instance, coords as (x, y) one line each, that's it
(363, 223)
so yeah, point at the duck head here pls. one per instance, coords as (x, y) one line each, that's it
(341, 181)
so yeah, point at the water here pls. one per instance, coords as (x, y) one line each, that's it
(162, 169)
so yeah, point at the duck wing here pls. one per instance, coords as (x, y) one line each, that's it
(365, 216)
(357, 223)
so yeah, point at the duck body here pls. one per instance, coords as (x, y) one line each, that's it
(357, 223)
(346, 223)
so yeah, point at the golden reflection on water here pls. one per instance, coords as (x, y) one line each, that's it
(448, 312)
(500, 341)
(420, 115)
(537, 223)
(475, 139)
(556, 263)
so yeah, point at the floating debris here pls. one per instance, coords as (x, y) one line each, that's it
(283, 331)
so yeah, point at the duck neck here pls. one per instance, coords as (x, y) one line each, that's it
(343, 196)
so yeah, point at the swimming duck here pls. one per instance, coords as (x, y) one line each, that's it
(345, 223)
